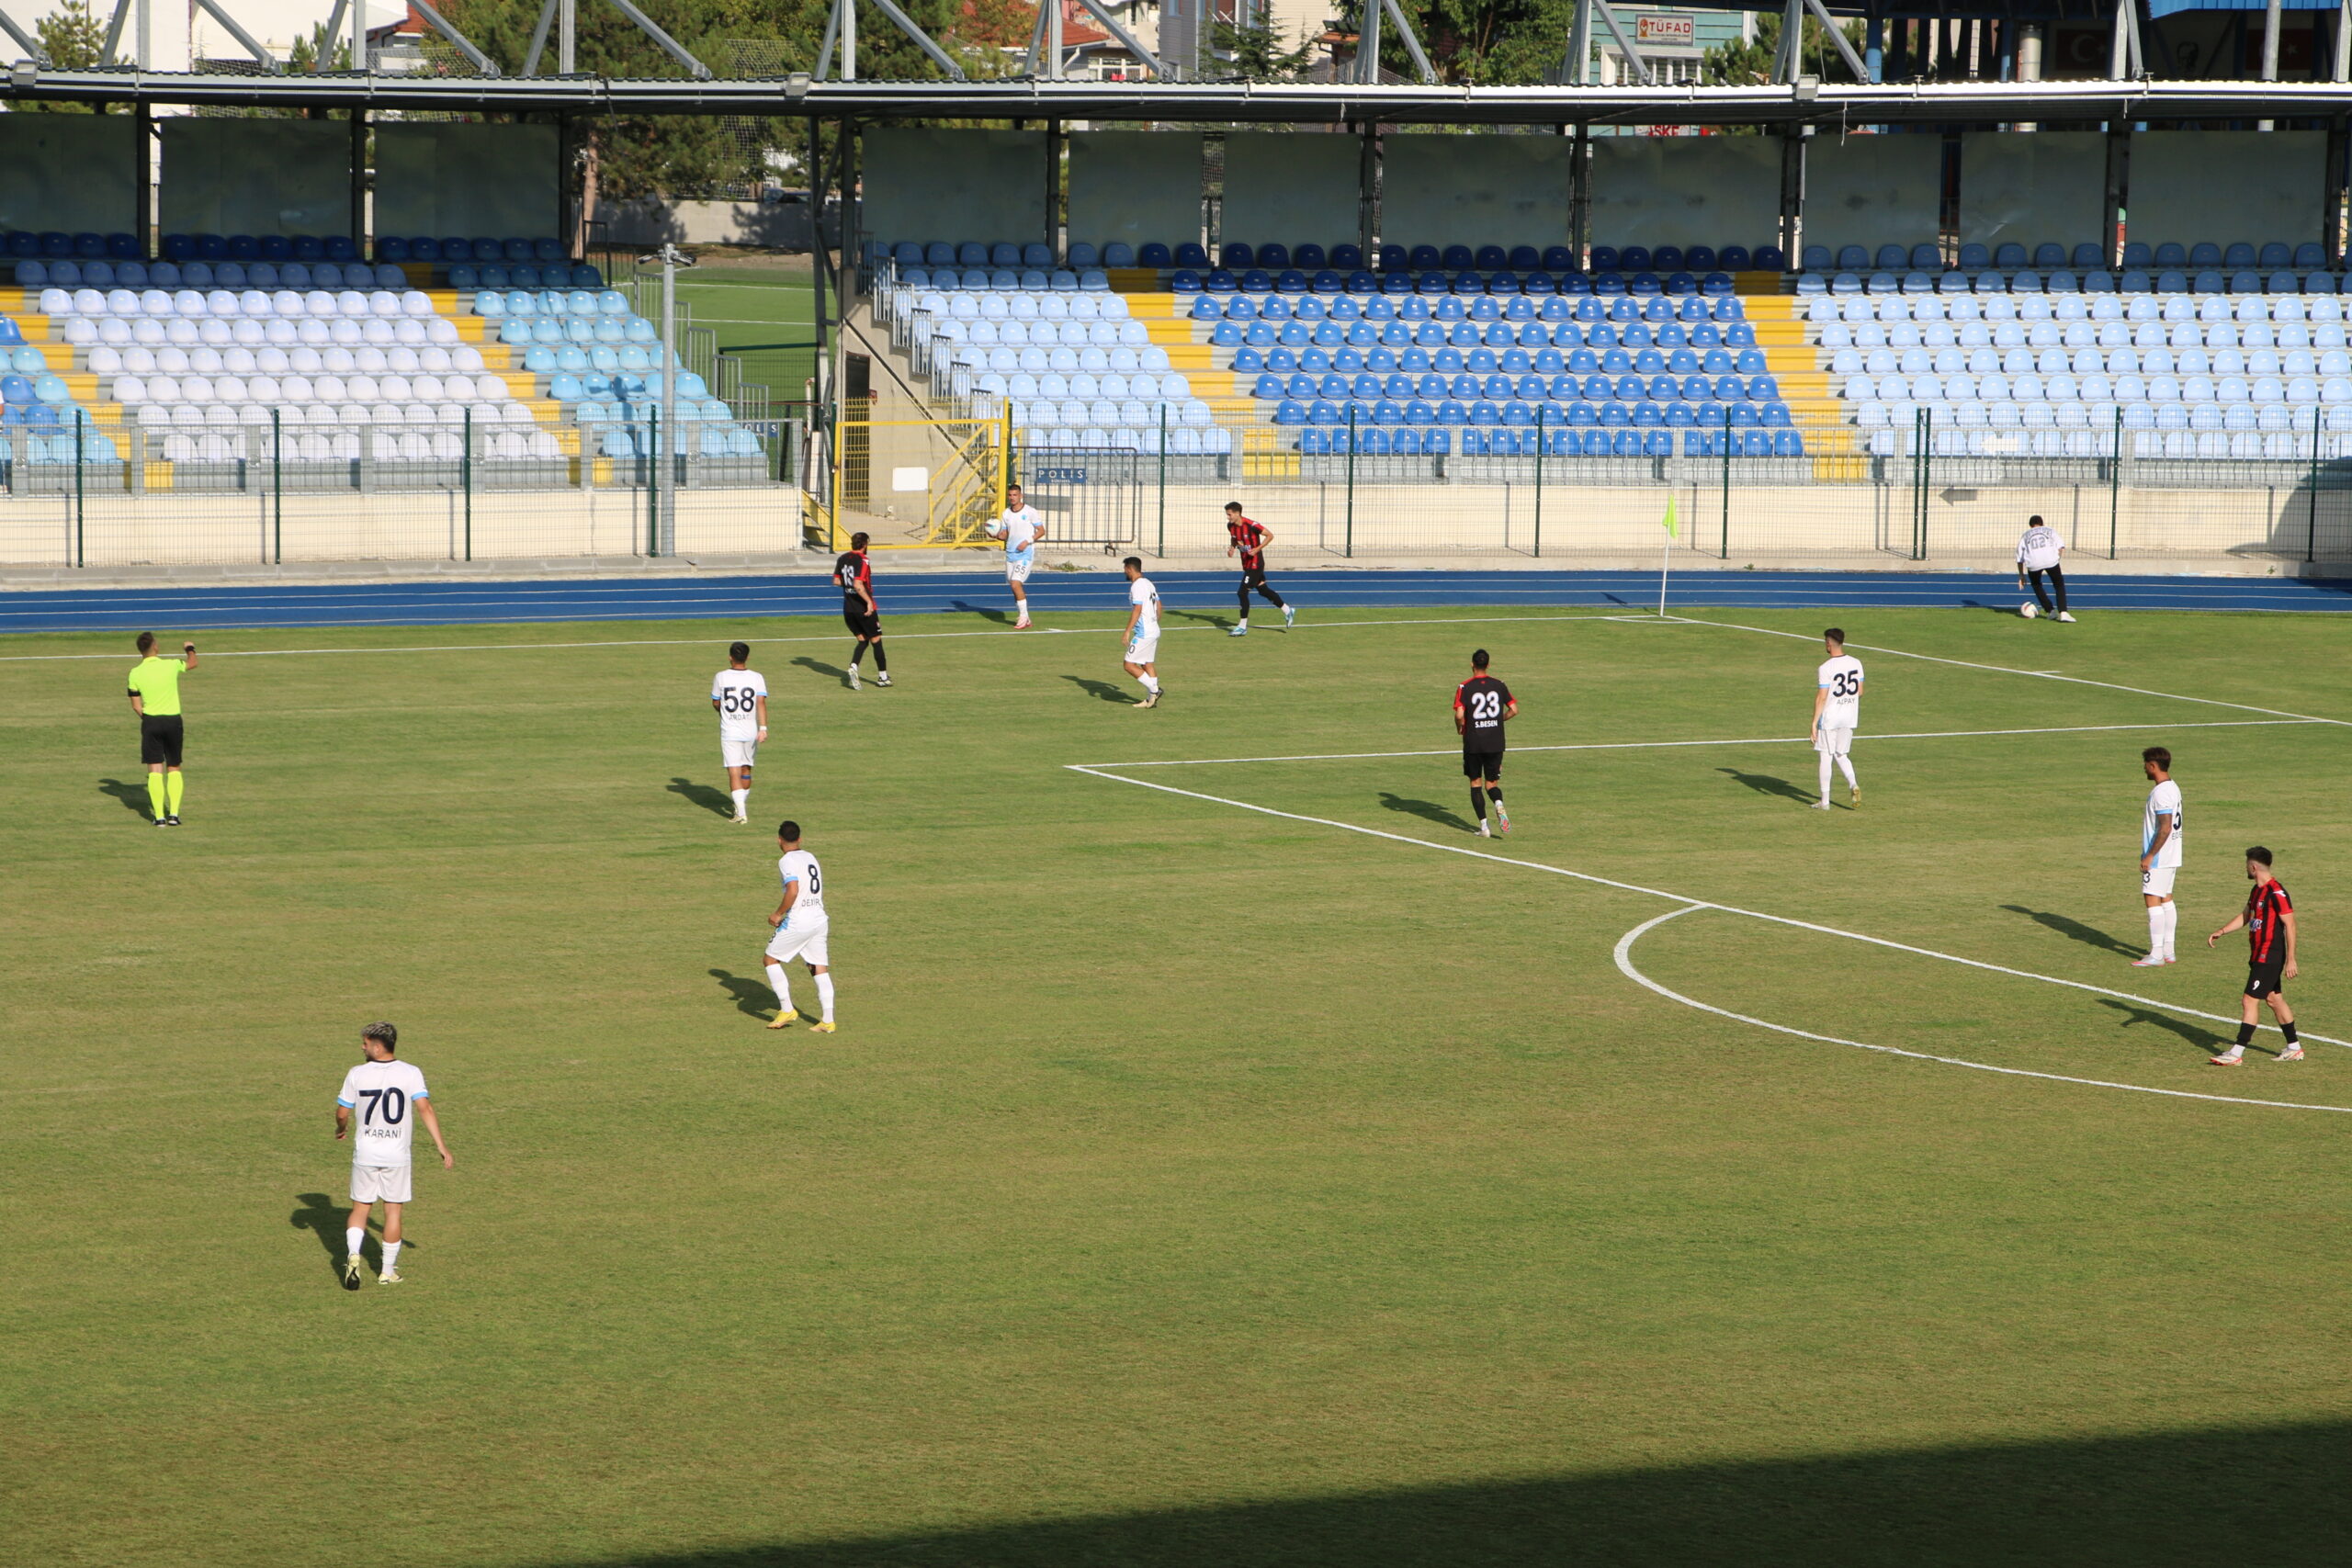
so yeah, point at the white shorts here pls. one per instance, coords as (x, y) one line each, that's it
(1837, 742)
(379, 1183)
(804, 943)
(738, 753)
(1017, 570)
(1142, 650)
(2157, 881)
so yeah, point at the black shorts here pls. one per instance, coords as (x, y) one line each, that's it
(1485, 766)
(159, 739)
(1253, 577)
(2266, 979)
(860, 621)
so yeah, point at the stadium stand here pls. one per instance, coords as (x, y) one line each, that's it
(2205, 348)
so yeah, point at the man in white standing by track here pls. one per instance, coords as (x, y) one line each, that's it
(1837, 709)
(801, 931)
(1143, 631)
(2038, 549)
(384, 1096)
(2160, 856)
(740, 695)
(1020, 527)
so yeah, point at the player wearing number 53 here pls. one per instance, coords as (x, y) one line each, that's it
(381, 1101)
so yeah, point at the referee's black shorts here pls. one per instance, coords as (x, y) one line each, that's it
(2266, 979)
(1487, 766)
(861, 622)
(159, 739)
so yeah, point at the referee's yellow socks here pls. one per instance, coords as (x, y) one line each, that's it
(173, 788)
(155, 793)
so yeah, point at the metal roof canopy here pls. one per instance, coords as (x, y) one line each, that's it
(1827, 103)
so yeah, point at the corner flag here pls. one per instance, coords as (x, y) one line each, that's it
(1673, 528)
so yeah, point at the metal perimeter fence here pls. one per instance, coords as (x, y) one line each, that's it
(93, 492)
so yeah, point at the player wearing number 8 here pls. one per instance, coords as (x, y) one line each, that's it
(801, 931)
(379, 1102)
(1482, 706)
(1837, 709)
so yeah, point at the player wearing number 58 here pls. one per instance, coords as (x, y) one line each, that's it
(381, 1101)
(740, 693)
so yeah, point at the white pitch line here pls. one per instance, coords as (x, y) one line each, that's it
(1623, 956)
(1765, 740)
(2009, 669)
(714, 637)
(1676, 898)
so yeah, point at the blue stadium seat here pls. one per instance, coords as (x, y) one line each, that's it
(1036, 253)
(1768, 258)
(1234, 253)
(1455, 258)
(2049, 254)
(1153, 254)
(1117, 253)
(1189, 254)
(2239, 253)
(1347, 258)
(1308, 257)
(2309, 254)
(1606, 259)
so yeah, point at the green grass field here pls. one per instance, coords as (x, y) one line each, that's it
(764, 315)
(1187, 1184)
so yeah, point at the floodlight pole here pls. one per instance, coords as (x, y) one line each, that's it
(359, 61)
(1626, 45)
(567, 37)
(532, 55)
(114, 32)
(1577, 68)
(665, 437)
(1368, 43)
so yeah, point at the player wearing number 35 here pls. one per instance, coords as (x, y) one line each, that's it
(381, 1101)
(1837, 709)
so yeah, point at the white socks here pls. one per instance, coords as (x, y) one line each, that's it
(1150, 683)
(1825, 775)
(782, 989)
(391, 1258)
(1846, 766)
(825, 995)
(2163, 922)
(351, 1240)
(743, 798)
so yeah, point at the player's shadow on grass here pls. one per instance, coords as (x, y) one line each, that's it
(754, 999)
(822, 668)
(1102, 689)
(1429, 810)
(2075, 930)
(985, 612)
(132, 795)
(322, 1217)
(1170, 613)
(701, 795)
(2197, 1034)
(2178, 1496)
(1765, 784)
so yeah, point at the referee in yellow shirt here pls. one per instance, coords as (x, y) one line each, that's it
(156, 698)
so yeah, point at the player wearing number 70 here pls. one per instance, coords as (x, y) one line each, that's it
(382, 1100)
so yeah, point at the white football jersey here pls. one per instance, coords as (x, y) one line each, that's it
(2039, 549)
(737, 693)
(1141, 592)
(1019, 528)
(2164, 802)
(382, 1097)
(1842, 678)
(801, 866)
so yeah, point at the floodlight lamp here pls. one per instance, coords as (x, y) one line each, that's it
(797, 84)
(1808, 88)
(23, 74)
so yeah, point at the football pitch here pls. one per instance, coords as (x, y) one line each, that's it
(1225, 1157)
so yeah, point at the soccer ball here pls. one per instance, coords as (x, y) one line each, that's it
(993, 528)
(2029, 609)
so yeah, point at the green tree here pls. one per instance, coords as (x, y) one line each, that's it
(1737, 65)
(74, 40)
(1255, 53)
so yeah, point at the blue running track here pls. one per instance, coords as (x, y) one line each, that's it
(740, 598)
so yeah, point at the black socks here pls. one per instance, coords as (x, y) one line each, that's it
(2288, 1029)
(2245, 1034)
(1478, 801)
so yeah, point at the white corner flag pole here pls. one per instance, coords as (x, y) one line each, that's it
(1665, 562)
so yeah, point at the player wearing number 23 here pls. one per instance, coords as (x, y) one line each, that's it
(382, 1100)
(1482, 706)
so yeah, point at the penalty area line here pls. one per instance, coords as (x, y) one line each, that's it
(1690, 903)
(1762, 740)
(1624, 954)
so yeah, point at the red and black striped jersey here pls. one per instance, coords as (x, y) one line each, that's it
(1252, 541)
(851, 570)
(2266, 933)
